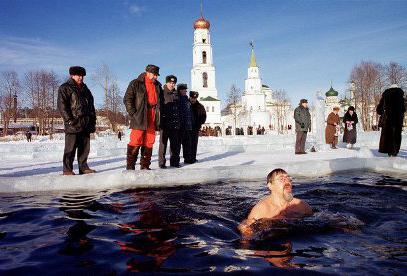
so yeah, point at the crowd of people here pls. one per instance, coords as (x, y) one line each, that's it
(152, 107)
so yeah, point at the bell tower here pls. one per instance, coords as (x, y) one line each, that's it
(203, 71)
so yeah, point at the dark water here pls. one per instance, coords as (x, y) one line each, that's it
(360, 227)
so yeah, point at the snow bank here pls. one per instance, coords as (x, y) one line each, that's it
(37, 166)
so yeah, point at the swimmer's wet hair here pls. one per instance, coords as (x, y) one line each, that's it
(274, 173)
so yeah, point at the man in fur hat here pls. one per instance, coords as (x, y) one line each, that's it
(143, 106)
(76, 106)
(170, 123)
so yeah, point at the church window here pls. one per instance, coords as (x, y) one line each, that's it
(203, 40)
(205, 79)
(207, 109)
(213, 109)
(204, 57)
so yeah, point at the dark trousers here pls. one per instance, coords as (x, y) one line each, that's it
(76, 141)
(186, 142)
(300, 141)
(175, 146)
(194, 144)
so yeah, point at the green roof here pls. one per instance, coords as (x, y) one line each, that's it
(331, 93)
(209, 99)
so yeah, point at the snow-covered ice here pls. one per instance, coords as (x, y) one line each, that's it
(37, 166)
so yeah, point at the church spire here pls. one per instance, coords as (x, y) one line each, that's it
(252, 57)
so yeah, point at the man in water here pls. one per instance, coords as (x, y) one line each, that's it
(278, 205)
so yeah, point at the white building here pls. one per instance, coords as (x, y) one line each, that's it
(203, 72)
(258, 106)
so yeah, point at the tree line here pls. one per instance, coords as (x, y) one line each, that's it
(36, 92)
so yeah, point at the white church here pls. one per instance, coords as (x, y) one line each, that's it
(258, 107)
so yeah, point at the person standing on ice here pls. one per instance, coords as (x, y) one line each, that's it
(302, 119)
(186, 122)
(143, 107)
(76, 106)
(199, 118)
(350, 119)
(391, 108)
(332, 128)
(280, 204)
(170, 123)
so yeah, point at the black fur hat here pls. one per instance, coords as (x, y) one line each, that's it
(77, 71)
(182, 86)
(171, 78)
(153, 69)
(193, 94)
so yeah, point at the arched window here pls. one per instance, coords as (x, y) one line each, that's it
(213, 109)
(204, 57)
(205, 79)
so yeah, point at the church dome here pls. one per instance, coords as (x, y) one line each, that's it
(201, 23)
(331, 93)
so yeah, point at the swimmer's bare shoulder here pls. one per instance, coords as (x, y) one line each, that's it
(303, 206)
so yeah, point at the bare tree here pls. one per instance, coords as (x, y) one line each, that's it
(281, 104)
(104, 78)
(41, 87)
(369, 81)
(396, 74)
(114, 103)
(234, 97)
(9, 90)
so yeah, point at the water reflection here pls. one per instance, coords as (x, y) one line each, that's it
(153, 239)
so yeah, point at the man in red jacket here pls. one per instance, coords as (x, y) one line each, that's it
(143, 106)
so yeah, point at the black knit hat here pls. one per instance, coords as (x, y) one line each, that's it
(171, 78)
(77, 71)
(153, 69)
(193, 94)
(303, 101)
(351, 108)
(182, 86)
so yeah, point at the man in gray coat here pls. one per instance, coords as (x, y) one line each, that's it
(302, 119)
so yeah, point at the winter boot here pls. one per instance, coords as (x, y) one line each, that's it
(132, 153)
(145, 160)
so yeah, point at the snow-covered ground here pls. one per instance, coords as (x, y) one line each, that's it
(37, 166)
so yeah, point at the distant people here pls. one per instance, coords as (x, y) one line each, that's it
(170, 123)
(332, 127)
(76, 106)
(280, 204)
(199, 118)
(350, 119)
(391, 108)
(302, 119)
(119, 135)
(143, 106)
(28, 135)
(186, 116)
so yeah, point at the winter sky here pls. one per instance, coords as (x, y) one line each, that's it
(300, 46)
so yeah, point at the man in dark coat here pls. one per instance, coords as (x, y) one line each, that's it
(170, 123)
(76, 106)
(302, 119)
(199, 118)
(186, 123)
(392, 107)
(143, 106)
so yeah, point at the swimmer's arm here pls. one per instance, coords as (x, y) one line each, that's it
(244, 226)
